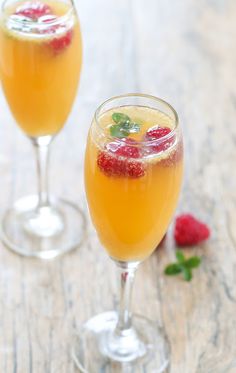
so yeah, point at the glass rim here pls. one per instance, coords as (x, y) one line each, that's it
(38, 24)
(144, 142)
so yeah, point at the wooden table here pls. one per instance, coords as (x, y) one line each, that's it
(183, 51)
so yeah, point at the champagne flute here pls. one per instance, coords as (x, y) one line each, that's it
(40, 63)
(133, 174)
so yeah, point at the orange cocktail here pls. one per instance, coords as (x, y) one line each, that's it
(133, 183)
(133, 174)
(40, 63)
(40, 66)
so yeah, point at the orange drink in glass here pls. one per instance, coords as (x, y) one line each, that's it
(38, 90)
(40, 64)
(133, 175)
(131, 213)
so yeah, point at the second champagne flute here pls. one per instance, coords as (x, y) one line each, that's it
(40, 62)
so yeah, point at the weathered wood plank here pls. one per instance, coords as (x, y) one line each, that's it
(183, 51)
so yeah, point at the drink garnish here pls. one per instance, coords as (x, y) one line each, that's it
(156, 133)
(121, 159)
(124, 126)
(190, 231)
(33, 10)
(36, 11)
(59, 42)
(183, 266)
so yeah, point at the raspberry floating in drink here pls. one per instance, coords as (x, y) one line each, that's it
(120, 159)
(157, 133)
(33, 10)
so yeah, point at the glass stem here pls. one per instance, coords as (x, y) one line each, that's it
(41, 146)
(127, 276)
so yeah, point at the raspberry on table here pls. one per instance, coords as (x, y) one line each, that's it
(190, 231)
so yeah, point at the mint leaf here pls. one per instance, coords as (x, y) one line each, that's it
(120, 118)
(193, 262)
(183, 266)
(187, 273)
(123, 126)
(173, 269)
(180, 256)
(117, 131)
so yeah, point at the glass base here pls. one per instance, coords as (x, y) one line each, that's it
(44, 233)
(95, 349)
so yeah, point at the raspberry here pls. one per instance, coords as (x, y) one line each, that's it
(156, 133)
(118, 159)
(33, 10)
(130, 149)
(60, 43)
(190, 231)
(36, 10)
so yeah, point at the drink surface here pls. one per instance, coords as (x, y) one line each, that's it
(40, 66)
(131, 210)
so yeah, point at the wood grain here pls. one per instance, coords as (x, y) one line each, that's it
(183, 51)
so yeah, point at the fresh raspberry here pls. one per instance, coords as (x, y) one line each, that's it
(156, 133)
(129, 149)
(33, 10)
(190, 231)
(118, 159)
(60, 43)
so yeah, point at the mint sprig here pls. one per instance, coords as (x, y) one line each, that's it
(120, 118)
(124, 126)
(183, 266)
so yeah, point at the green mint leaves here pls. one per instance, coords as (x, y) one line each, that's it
(124, 126)
(120, 118)
(183, 266)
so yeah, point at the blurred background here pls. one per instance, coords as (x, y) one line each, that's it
(184, 52)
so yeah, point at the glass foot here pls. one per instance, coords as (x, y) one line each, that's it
(46, 233)
(95, 349)
(43, 222)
